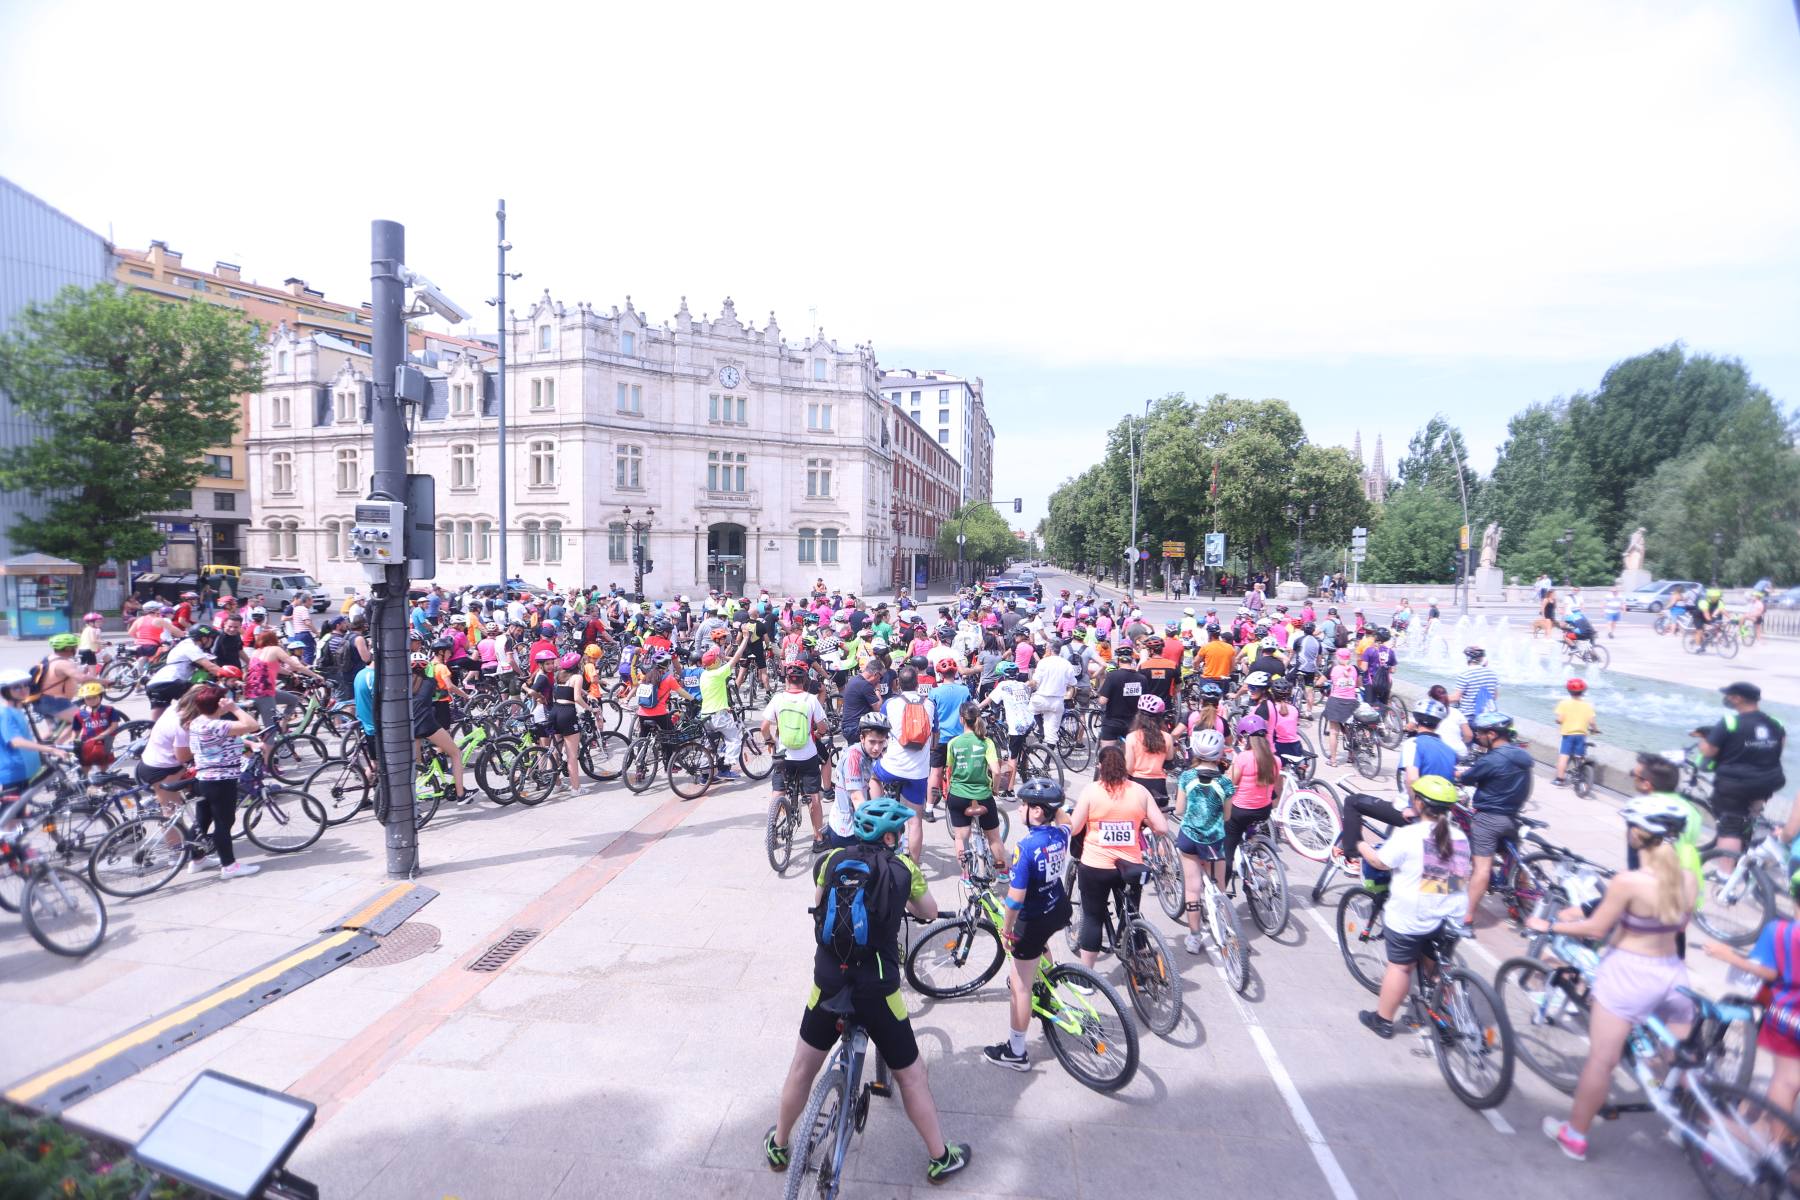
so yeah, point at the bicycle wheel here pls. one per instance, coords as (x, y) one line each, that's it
(1730, 1046)
(1747, 1146)
(756, 757)
(641, 764)
(1581, 778)
(135, 859)
(603, 755)
(342, 787)
(1366, 753)
(63, 912)
(1727, 642)
(1474, 1042)
(118, 679)
(1165, 868)
(1393, 724)
(778, 835)
(1151, 977)
(1362, 937)
(1073, 746)
(283, 820)
(954, 957)
(1228, 936)
(1736, 906)
(691, 770)
(1266, 886)
(1037, 762)
(428, 793)
(1547, 1009)
(611, 717)
(812, 1147)
(1310, 823)
(1598, 656)
(1091, 1034)
(493, 768)
(294, 756)
(534, 774)
(1748, 632)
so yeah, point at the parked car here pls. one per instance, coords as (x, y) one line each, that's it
(1654, 596)
(1787, 599)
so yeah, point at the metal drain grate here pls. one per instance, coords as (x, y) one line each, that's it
(504, 950)
(407, 941)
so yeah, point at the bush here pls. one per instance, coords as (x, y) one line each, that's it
(42, 1159)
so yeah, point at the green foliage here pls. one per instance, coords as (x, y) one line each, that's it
(1587, 563)
(1540, 464)
(1744, 486)
(1432, 459)
(1414, 540)
(44, 1160)
(990, 539)
(131, 391)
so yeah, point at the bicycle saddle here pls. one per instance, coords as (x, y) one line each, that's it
(1131, 872)
(838, 1003)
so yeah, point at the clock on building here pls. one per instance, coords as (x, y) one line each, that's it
(729, 377)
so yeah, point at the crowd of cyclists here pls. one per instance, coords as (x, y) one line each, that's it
(883, 718)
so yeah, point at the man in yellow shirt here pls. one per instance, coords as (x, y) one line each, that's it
(1575, 719)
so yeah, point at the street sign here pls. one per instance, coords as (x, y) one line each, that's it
(1358, 556)
(1215, 549)
(1465, 537)
(962, 540)
(1143, 556)
(1174, 549)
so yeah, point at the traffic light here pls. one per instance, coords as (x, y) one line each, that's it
(637, 553)
(649, 566)
(1018, 504)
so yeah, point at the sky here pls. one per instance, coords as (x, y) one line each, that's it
(1373, 212)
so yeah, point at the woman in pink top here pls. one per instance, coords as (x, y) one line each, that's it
(1256, 776)
(1340, 703)
(1283, 717)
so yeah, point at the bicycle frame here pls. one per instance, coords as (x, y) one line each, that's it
(1649, 1037)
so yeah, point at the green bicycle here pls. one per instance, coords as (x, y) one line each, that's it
(1085, 1022)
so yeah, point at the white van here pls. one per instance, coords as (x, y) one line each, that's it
(279, 586)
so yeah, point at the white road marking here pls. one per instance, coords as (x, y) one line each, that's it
(1497, 1121)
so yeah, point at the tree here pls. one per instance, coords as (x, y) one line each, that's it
(1585, 563)
(130, 391)
(1433, 459)
(1540, 464)
(990, 540)
(1414, 539)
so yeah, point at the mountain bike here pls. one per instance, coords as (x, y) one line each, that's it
(1218, 919)
(1582, 653)
(783, 820)
(63, 912)
(1256, 863)
(1458, 1014)
(836, 1111)
(1738, 903)
(691, 764)
(1363, 743)
(58, 821)
(1715, 635)
(1747, 631)
(1580, 773)
(1084, 1019)
(1150, 973)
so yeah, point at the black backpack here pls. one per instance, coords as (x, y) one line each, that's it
(331, 655)
(860, 910)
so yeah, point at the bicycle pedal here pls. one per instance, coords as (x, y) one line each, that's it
(881, 1089)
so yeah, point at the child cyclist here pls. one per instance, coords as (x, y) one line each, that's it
(1037, 908)
(856, 781)
(1575, 719)
(92, 722)
(1202, 794)
(972, 759)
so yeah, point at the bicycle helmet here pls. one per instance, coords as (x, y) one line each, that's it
(592, 652)
(569, 661)
(1714, 594)
(1661, 815)
(90, 688)
(1576, 686)
(795, 673)
(1212, 628)
(224, 673)
(1493, 720)
(300, 644)
(1208, 745)
(544, 656)
(443, 643)
(13, 679)
(64, 641)
(1211, 692)
(1281, 686)
(878, 646)
(1151, 704)
(1153, 644)
(1174, 627)
(880, 817)
(547, 626)
(418, 659)
(1005, 669)
(1270, 643)
(1041, 791)
(809, 640)
(1428, 711)
(811, 618)
(1257, 679)
(200, 631)
(94, 616)
(874, 722)
(1252, 726)
(1434, 791)
(919, 662)
(1473, 653)
(710, 659)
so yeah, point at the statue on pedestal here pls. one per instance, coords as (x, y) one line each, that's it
(1490, 545)
(1634, 550)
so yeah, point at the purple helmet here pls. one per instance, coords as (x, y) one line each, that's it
(1251, 726)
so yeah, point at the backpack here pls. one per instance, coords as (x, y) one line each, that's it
(37, 676)
(1342, 637)
(793, 725)
(860, 906)
(915, 724)
(1379, 669)
(331, 655)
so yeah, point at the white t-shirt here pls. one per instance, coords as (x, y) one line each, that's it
(166, 737)
(1055, 675)
(179, 665)
(1427, 890)
(898, 760)
(1015, 699)
(815, 714)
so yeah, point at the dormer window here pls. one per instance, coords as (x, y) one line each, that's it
(543, 337)
(628, 343)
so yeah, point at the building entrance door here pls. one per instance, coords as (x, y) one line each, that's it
(725, 558)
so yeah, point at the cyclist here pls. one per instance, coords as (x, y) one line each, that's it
(1037, 908)
(1161, 673)
(1710, 609)
(1110, 811)
(1641, 974)
(1577, 629)
(856, 778)
(1746, 747)
(1118, 697)
(1208, 715)
(1429, 865)
(1013, 698)
(1201, 797)
(1053, 678)
(871, 989)
(426, 726)
(1575, 721)
(192, 655)
(1340, 703)
(1501, 778)
(91, 722)
(568, 700)
(654, 693)
(1147, 749)
(1376, 666)
(947, 700)
(972, 759)
(216, 727)
(1775, 960)
(1256, 782)
(795, 722)
(1216, 656)
(19, 745)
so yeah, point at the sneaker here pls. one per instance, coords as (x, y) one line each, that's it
(200, 865)
(1376, 1024)
(775, 1156)
(1001, 1055)
(726, 775)
(1080, 989)
(1559, 781)
(1572, 1144)
(1191, 943)
(238, 870)
(1466, 930)
(956, 1157)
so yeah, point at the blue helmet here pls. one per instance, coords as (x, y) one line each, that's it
(879, 817)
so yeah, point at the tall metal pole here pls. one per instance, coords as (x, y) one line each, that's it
(500, 319)
(387, 293)
(1462, 554)
(1131, 576)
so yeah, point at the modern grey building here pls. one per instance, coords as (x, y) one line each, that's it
(41, 253)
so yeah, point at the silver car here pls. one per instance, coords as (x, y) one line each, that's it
(1654, 596)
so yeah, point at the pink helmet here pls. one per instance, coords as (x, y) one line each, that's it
(544, 656)
(93, 616)
(710, 659)
(569, 661)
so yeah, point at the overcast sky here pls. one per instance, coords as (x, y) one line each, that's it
(1373, 212)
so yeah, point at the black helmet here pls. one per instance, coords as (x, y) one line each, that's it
(1281, 685)
(443, 643)
(1041, 791)
(200, 631)
(919, 662)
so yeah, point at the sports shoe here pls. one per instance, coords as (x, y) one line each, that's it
(1572, 1144)
(775, 1156)
(200, 865)
(726, 775)
(238, 870)
(1559, 781)
(1191, 943)
(1375, 1023)
(1001, 1055)
(956, 1157)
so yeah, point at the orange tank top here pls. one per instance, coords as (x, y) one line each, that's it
(1113, 823)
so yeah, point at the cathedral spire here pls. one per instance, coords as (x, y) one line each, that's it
(1356, 448)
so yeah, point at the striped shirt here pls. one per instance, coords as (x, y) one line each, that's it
(1479, 688)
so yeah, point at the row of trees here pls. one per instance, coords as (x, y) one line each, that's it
(1687, 446)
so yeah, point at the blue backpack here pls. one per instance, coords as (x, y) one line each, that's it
(859, 908)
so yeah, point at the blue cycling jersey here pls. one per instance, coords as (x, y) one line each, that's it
(1038, 870)
(1432, 757)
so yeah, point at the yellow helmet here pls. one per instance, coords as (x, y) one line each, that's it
(90, 688)
(1435, 790)
(592, 652)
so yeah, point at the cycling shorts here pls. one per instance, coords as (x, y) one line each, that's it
(958, 808)
(1032, 934)
(912, 791)
(883, 1018)
(1015, 745)
(801, 776)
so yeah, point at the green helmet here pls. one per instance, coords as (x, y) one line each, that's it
(880, 816)
(1714, 593)
(64, 641)
(1435, 790)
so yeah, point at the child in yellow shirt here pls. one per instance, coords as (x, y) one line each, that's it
(1575, 720)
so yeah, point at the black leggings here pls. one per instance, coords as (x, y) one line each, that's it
(1098, 885)
(1239, 823)
(217, 808)
(1358, 808)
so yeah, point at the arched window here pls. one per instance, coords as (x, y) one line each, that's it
(828, 545)
(808, 543)
(281, 472)
(628, 467)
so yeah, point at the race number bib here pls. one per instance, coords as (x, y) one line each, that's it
(1118, 833)
(1055, 862)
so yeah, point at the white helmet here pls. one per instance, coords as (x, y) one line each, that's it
(1208, 745)
(1188, 611)
(1661, 815)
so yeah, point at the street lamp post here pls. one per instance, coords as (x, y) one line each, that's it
(1132, 442)
(1568, 544)
(499, 303)
(638, 529)
(1718, 545)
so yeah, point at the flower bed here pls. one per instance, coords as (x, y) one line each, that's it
(43, 1159)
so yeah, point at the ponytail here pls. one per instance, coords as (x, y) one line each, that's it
(1149, 727)
(1671, 892)
(1266, 769)
(1440, 831)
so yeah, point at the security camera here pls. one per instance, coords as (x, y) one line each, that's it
(436, 301)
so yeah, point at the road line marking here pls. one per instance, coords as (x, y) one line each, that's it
(1326, 929)
(1497, 1121)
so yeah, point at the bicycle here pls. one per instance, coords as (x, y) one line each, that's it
(1309, 818)
(1739, 903)
(1218, 919)
(1362, 743)
(1089, 1031)
(1458, 1013)
(1265, 879)
(1714, 635)
(691, 763)
(62, 911)
(837, 1109)
(1580, 772)
(1748, 631)
(59, 821)
(1150, 974)
(128, 673)
(1518, 879)
(1581, 653)
(1672, 622)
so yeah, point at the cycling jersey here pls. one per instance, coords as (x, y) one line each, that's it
(1502, 780)
(1038, 870)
